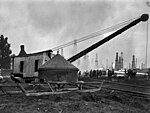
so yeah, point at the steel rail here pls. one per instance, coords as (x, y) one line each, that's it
(137, 93)
(118, 83)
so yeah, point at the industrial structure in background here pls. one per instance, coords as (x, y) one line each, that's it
(119, 61)
(133, 62)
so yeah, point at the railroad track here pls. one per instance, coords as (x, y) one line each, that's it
(110, 85)
(121, 87)
(136, 93)
(118, 83)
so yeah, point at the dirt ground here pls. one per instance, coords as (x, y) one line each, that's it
(103, 101)
(75, 102)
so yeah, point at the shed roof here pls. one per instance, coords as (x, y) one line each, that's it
(58, 62)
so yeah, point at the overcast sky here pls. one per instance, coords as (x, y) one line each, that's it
(45, 24)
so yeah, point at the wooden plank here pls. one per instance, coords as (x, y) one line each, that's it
(93, 90)
(8, 85)
(50, 86)
(18, 92)
(61, 83)
(45, 93)
(21, 88)
(90, 90)
(69, 89)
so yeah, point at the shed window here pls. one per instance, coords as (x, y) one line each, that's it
(36, 65)
(21, 66)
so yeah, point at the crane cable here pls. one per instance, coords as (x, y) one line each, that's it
(101, 32)
(95, 34)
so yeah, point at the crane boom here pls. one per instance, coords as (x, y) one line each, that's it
(144, 17)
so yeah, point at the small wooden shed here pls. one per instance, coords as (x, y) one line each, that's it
(58, 69)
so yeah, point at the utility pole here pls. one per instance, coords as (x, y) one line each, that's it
(146, 45)
(147, 27)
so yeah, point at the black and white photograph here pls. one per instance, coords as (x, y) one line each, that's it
(74, 56)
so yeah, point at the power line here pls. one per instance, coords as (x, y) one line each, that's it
(95, 34)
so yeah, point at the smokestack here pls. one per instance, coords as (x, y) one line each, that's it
(22, 51)
(22, 47)
(58, 51)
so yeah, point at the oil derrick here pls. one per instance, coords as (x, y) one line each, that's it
(116, 62)
(129, 66)
(75, 47)
(62, 52)
(96, 61)
(119, 63)
(136, 63)
(85, 63)
(77, 63)
(121, 60)
(142, 65)
(133, 62)
(107, 66)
